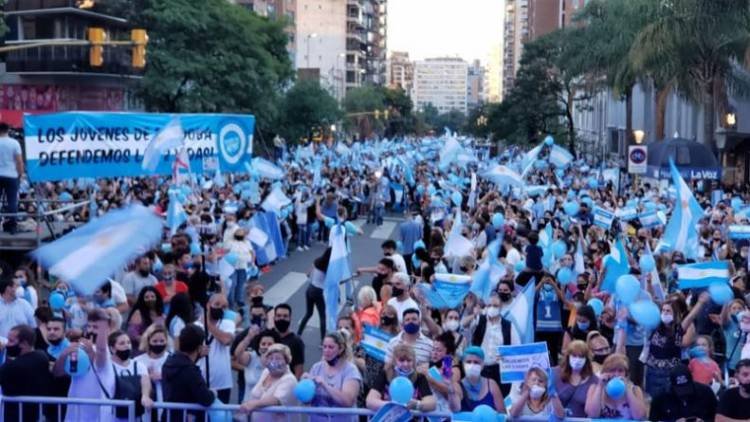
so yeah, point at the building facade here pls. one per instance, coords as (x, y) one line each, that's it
(493, 80)
(475, 92)
(400, 73)
(60, 78)
(276, 9)
(442, 82)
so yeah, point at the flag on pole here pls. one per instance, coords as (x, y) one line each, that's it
(545, 236)
(457, 245)
(176, 214)
(276, 200)
(579, 266)
(172, 136)
(267, 169)
(681, 233)
(338, 271)
(603, 218)
(702, 274)
(181, 162)
(89, 255)
(528, 160)
(521, 313)
(560, 157)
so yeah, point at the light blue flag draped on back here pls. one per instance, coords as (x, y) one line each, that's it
(616, 266)
(338, 271)
(176, 214)
(521, 313)
(681, 233)
(89, 255)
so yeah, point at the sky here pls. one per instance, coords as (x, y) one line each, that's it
(433, 28)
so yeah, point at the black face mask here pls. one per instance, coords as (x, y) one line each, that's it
(504, 296)
(397, 292)
(600, 358)
(256, 320)
(257, 300)
(216, 314)
(387, 320)
(746, 387)
(581, 287)
(144, 273)
(282, 325)
(13, 351)
(123, 354)
(157, 349)
(239, 238)
(54, 342)
(463, 269)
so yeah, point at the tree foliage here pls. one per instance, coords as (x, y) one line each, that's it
(306, 105)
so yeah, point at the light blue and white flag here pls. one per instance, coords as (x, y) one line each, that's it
(267, 169)
(545, 236)
(560, 157)
(276, 200)
(457, 245)
(520, 313)
(649, 219)
(616, 266)
(176, 214)
(702, 274)
(737, 231)
(515, 361)
(89, 255)
(338, 271)
(627, 213)
(527, 162)
(490, 271)
(448, 291)
(374, 341)
(603, 218)
(681, 233)
(579, 266)
(536, 190)
(171, 137)
(503, 176)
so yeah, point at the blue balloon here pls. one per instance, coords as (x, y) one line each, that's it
(56, 301)
(627, 288)
(571, 208)
(571, 194)
(419, 244)
(736, 203)
(721, 293)
(498, 220)
(615, 388)
(597, 305)
(81, 367)
(195, 249)
(231, 258)
(483, 413)
(305, 391)
(457, 198)
(593, 183)
(645, 313)
(415, 262)
(588, 201)
(520, 265)
(431, 190)
(547, 258)
(549, 140)
(559, 248)
(565, 275)
(420, 189)
(647, 263)
(401, 390)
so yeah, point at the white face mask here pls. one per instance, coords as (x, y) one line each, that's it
(667, 318)
(473, 370)
(745, 327)
(576, 363)
(536, 392)
(493, 311)
(451, 325)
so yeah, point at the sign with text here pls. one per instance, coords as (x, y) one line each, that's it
(637, 158)
(515, 361)
(93, 144)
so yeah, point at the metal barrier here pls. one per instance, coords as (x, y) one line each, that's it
(47, 407)
(223, 412)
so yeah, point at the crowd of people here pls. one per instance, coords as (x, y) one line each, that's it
(173, 328)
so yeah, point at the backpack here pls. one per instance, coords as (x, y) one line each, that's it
(127, 387)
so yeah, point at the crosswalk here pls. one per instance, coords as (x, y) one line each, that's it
(383, 231)
(315, 320)
(285, 288)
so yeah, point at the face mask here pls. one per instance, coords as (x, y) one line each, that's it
(387, 320)
(504, 296)
(282, 325)
(463, 269)
(157, 349)
(187, 266)
(144, 273)
(333, 361)
(493, 311)
(450, 325)
(473, 370)
(123, 354)
(411, 328)
(536, 392)
(697, 352)
(600, 358)
(396, 292)
(13, 351)
(54, 342)
(257, 300)
(20, 280)
(403, 372)
(583, 326)
(150, 303)
(745, 327)
(667, 318)
(217, 314)
(239, 238)
(167, 277)
(275, 367)
(746, 387)
(576, 363)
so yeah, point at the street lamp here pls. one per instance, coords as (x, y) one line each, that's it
(639, 135)
(731, 119)
(307, 40)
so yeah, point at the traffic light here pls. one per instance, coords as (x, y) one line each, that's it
(377, 114)
(97, 36)
(140, 39)
(385, 115)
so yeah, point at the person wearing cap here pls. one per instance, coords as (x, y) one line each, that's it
(734, 403)
(474, 389)
(684, 399)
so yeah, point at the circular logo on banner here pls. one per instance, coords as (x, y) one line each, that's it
(232, 143)
(637, 155)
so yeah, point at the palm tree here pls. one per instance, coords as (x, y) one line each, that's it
(694, 46)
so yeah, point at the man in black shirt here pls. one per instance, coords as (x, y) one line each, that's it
(685, 399)
(182, 380)
(56, 344)
(25, 373)
(734, 403)
(282, 321)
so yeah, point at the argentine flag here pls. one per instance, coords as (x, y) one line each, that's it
(267, 169)
(616, 266)
(681, 233)
(457, 245)
(338, 271)
(176, 214)
(503, 176)
(89, 255)
(528, 160)
(603, 218)
(560, 157)
(702, 274)
(521, 313)
(172, 136)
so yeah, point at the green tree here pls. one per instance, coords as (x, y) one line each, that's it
(399, 105)
(306, 105)
(698, 44)
(212, 56)
(360, 105)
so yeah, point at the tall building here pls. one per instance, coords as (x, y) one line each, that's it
(341, 42)
(527, 20)
(276, 9)
(475, 85)
(400, 73)
(442, 82)
(493, 80)
(60, 78)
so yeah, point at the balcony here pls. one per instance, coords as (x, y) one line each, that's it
(69, 60)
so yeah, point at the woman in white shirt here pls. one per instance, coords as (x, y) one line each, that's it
(219, 337)
(241, 248)
(125, 366)
(180, 314)
(249, 351)
(154, 353)
(275, 387)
